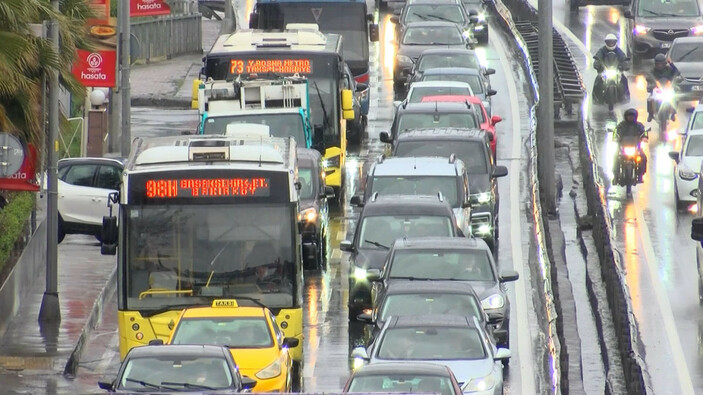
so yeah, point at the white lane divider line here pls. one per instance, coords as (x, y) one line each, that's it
(523, 326)
(672, 335)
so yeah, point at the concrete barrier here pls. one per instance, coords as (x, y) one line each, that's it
(556, 368)
(30, 266)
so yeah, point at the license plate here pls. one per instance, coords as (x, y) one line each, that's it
(666, 45)
(697, 88)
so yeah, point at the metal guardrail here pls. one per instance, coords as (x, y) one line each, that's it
(165, 37)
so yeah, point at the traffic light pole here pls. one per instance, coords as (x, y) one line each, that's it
(50, 310)
(545, 109)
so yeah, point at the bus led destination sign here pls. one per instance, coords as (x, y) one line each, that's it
(263, 66)
(208, 187)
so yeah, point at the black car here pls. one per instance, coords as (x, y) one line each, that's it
(471, 146)
(314, 210)
(178, 368)
(382, 220)
(479, 29)
(418, 37)
(432, 10)
(447, 57)
(466, 260)
(406, 297)
(404, 377)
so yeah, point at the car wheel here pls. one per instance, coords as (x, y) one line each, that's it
(322, 259)
(61, 230)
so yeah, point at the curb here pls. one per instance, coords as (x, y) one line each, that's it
(91, 323)
(161, 101)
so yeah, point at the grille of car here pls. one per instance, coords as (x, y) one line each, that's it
(669, 34)
(478, 220)
(694, 79)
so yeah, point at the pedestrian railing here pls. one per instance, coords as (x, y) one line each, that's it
(164, 37)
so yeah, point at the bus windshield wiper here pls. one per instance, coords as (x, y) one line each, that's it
(325, 120)
(377, 244)
(249, 298)
(187, 385)
(143, 383)
(151, 313)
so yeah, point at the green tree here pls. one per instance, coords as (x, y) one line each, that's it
(25, 59)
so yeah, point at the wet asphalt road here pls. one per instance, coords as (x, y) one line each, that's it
(659, 255)
(328, 334)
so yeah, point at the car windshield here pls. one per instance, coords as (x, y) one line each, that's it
(675, 8)
(697, 122)
(473, 80)
(429, 303)
(379, 232)
(459, 265)
(435, 35)
(175, 373)
(435, 12)
(306, 183)
(418, 93)
(466, 120)
(233, 332)
(687, 52)
(404, 383)
(431, 61)
(472, 153)
(694, 146)
(431, 343)
(418, 185)
(280, 125)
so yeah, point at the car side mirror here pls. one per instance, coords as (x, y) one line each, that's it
(395, 19)
(365, 318)
(628, 14)
(106, 385)
(360, 353)
(500, 171)
(496, 119)
(329, 193)
(360, 87)
(248, 383)
(507, 276)
(697, 229)
(357, 200)
(346, 245)
(290, 342)
(489, 71)
(674, 156)
(385, 138)
(156, 342)
(373, 274)
(374, 32)
(491, 92)
(502, 354)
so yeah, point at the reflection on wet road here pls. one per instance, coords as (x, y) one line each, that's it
(659, 255)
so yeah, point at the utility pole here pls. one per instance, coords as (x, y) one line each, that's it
(50, 310)
(227, 25)
(545, 110)
(125, 93)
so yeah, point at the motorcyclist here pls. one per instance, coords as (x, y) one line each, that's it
(662, 71)
(611, 45)
(629, 127)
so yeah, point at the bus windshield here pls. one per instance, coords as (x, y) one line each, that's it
(183, 254)
(322, 71)
(280, 125)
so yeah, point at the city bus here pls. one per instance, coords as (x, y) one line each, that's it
(348, 18)
(301, 49)
(204, 218)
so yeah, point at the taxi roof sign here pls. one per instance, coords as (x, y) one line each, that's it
(224, 303)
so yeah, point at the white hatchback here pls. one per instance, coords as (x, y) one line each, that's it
(687, 168)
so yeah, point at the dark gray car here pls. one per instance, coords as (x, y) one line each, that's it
(447, 57)
(418, 37)
(480, 84)
(431, 10)
(686, 54)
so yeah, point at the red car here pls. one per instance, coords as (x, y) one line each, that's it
(488, 124)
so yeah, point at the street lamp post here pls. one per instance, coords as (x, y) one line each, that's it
(125, 93)
(545, 109)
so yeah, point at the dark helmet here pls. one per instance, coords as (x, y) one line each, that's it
(660, 60)
(631, 113)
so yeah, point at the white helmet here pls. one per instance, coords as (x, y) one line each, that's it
(611, 41)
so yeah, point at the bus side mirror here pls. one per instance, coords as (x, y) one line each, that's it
(194, 103)
(697, 229)
(318, 133)
(348, 104)
(108, 245)
(373, 32)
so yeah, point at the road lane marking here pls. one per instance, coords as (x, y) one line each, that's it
(523, 327)
(684, 377)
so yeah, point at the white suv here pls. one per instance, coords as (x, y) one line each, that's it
(687, 168)
(84, 184)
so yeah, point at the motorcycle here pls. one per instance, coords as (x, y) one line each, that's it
(664, 105)
(629, 159)
(611, 74)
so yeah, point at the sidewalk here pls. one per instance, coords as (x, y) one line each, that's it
(169, 83)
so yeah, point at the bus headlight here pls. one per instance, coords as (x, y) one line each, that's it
(481, 198)
(271, 371)
(359, 273)
(309, 215)
(495, 301)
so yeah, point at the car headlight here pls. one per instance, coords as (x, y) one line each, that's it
(482, 198)
(687, 174)
(610, 74)
(403, 60)
(309, 215)
(359, 273)
(270, 371)
(495, 301)
(641, 29)
(480, 384)
(697, 29)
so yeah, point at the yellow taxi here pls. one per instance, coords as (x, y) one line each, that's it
(252, 335)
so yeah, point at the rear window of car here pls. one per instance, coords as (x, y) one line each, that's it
(431, 61)
(472, 153)
(437, 35)
(437, 120)
(473, 80)
(417, 94)
(80, 175)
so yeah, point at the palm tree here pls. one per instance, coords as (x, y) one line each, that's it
(25, 59)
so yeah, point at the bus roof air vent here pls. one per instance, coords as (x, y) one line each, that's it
(208, 150)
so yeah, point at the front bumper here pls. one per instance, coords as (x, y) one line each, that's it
(401, 74)
(688, 189)
(691, 88)
(482, 222)
(648, 46)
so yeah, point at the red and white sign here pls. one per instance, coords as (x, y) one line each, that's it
(148, 8)
(25, 178)
(96, 69)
